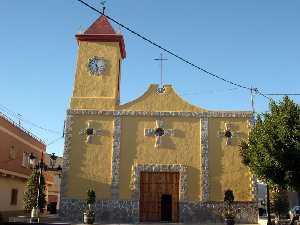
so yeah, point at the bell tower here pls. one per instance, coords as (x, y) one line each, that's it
(97, 80)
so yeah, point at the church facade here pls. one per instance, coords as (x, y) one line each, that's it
(157, 158)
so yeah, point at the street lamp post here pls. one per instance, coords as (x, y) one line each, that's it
(268, 206)
(287, 177)
(41, 166)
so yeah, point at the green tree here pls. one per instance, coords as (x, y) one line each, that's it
(273, 150)
(30, 195)
(279, 202)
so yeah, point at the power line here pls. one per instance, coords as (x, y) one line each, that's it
(171, 52)
(3, 113)
(209, 91)
(54, 141)
(20, 118)
(282, 94)
(40, 127)
(8, 111)
(260, 93)
(10, 120)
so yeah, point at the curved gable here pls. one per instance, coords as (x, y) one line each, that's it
(167, 101)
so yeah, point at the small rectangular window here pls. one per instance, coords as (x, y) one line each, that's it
(12, 153)
(25, 161)
(14, 196)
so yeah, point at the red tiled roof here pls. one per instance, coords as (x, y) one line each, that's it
(102, 31)
(101, 26)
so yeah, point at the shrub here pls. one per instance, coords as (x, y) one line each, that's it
(228, 196)
(30, 195)
(91, 196)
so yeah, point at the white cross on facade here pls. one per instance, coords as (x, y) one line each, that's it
(228, 133)
(89, 132)
(158, 132)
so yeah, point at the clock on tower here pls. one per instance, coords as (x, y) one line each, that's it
(101, 51)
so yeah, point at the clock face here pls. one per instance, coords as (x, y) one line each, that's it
(96, 65)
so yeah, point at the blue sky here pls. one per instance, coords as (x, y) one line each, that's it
(254, 43)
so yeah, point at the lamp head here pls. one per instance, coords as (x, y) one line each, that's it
(32, 159)
(53, 158)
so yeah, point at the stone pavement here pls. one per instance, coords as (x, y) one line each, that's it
(54, 220)
(162, 223)
(66, 223)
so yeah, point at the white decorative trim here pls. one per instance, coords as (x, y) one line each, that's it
(89, 137)
(204, 159)
(253, 188)
(229, 133)
(116, 158)
(66, 156)
(148, 132)
(4, 172)
(136, 173)
(237, 114)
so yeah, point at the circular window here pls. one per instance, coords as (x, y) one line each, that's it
(89, 131)
(159, 132)
(228, 134)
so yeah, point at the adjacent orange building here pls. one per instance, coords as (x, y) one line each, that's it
(16, 144)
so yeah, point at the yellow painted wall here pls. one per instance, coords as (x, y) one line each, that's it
(91, 163)
(226, 170)
(168, 101)
(183, 148)
(6, 185)
(96, 92)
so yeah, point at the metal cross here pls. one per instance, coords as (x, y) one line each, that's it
(158, 132)
(89, 132)
(161, 59)
(228, 133)
(103, 6)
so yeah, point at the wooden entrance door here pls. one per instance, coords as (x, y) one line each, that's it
(159, 196)
(166, 208)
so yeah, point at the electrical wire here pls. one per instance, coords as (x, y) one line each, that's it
(10, 120)
(209, 91)
(40, 127)
(260, 93)
(54, 141)
(5, 115)
(21, 119)
(282, 94)
(171, 52)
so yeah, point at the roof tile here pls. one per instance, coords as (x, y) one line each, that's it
(100, 26)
